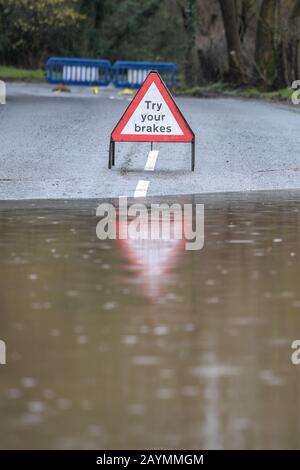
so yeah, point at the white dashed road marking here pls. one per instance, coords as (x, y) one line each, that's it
(141, 189)
(151, 160)
(142, 186)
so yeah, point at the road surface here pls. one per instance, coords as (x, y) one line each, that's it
(56, 146)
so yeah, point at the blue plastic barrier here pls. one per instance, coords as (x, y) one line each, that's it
(132, 74)
(124, 74)
(84, 72)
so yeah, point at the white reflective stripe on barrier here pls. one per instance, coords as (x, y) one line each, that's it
(136, 75)
(80, 73)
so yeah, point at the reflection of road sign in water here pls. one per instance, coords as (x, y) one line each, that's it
(2, 92)
(152, 116)
(152, 258)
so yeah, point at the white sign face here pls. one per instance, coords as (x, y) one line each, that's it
(152, 116)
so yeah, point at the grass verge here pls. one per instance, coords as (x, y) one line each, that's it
(13, 73)
(222, 89)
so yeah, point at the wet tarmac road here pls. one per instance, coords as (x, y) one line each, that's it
(102, 355)
(56, 146)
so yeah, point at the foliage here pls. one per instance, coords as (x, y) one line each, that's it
(249, 42)
(33, 29)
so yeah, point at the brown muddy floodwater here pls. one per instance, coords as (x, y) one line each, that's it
(104, 351)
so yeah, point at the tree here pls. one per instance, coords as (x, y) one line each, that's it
(35, 29)
(189, 14)
(117, 32)
(94, 12)
(230, 20)
(294, 23)
(267, 40)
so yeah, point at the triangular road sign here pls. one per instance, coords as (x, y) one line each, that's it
(152, 116)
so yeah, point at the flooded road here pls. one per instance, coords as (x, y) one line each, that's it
(107, 351)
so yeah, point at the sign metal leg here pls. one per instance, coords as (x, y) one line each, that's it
(110, 155)
(113, 152)
(193, 156)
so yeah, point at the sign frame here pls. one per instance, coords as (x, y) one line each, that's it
(166, 94)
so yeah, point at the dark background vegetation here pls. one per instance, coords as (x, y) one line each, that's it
(238, 41)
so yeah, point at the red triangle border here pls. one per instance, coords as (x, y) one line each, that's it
(153, 77)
